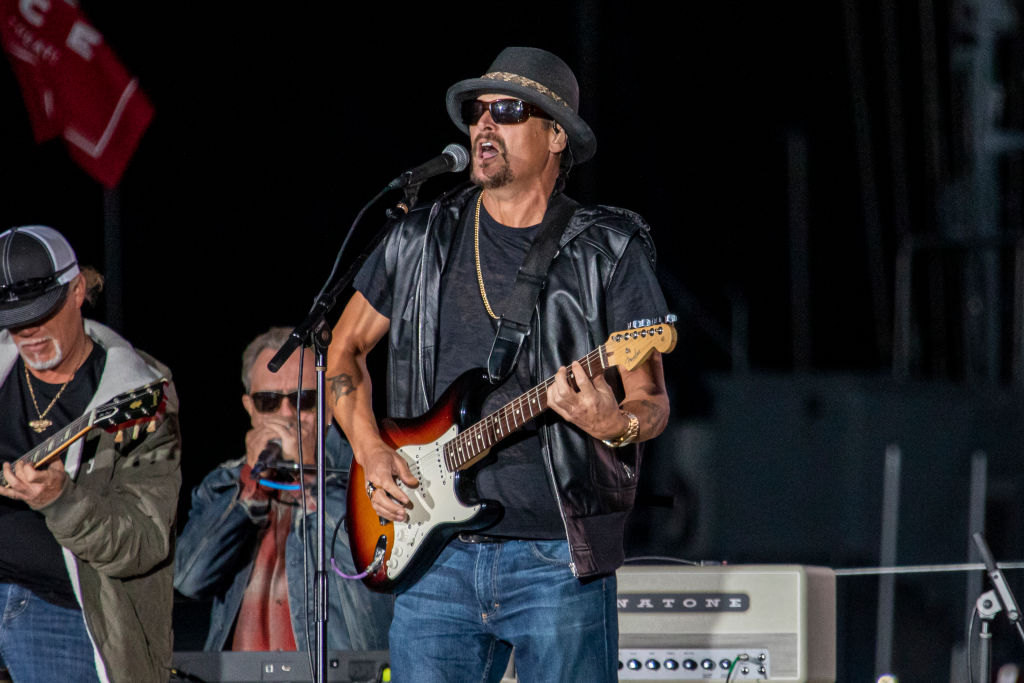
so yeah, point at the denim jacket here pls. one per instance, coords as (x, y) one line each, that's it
(217, 549)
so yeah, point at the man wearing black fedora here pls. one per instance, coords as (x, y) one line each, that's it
(532, 566)
(85, 571)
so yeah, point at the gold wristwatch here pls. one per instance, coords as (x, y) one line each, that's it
(629, 435)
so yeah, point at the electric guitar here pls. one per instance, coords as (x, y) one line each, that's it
(442, 445)
(130, 409)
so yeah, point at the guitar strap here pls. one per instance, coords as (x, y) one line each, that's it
(514, 324)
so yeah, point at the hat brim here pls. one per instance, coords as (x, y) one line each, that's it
(23, 313)
(581, 138)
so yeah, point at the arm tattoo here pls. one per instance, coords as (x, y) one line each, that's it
(652, 416)
(340, 385)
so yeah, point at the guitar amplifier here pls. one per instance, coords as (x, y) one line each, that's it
(285, 667)
(761, 622)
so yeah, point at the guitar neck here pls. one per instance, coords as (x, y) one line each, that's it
(472, 443)
(56, 444)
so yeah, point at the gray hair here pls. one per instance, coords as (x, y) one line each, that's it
(274, 338)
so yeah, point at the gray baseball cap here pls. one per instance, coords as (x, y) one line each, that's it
(36, 265)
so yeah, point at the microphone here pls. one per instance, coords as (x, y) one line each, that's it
(267, 457)
(454, 158)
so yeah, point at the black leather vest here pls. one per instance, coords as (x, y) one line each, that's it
(595, 485)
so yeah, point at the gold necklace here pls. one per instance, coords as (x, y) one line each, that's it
(42, 424)
(476, 249)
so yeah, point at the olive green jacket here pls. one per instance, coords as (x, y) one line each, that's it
(115, 520)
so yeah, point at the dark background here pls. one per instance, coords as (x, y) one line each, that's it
(781, 152)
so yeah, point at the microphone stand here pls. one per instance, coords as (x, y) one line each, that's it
(991, 603)
(314, 330)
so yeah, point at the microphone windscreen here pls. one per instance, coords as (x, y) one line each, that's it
(460, 154)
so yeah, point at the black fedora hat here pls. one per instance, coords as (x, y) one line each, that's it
(535, 76)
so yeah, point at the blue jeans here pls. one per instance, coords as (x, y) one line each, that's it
(460, 621)
(41, 642)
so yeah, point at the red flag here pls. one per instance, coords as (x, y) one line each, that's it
(74, 85)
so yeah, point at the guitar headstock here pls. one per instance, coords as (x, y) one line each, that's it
(629, 348)
(131, 408)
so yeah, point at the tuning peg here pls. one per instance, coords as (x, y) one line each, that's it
(135, 431)
(669, 318)
(151, 427)
(119, 436)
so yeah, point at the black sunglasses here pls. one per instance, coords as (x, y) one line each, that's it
(270, 401)
(503, 112)
(27, 288)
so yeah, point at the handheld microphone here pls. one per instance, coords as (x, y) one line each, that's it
(454, 158)
(267, 457)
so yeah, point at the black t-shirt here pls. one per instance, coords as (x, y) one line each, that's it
(515, 474)
(31, 556)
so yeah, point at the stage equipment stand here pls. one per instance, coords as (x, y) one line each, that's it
(990, 603)
(990, 596)
(315, 331)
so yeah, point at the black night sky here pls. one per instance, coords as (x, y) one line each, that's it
(740, 130)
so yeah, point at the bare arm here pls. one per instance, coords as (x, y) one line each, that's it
(349, 391)
(594, 409)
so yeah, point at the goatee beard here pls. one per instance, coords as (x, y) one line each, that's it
(51, 362)
(503, 177)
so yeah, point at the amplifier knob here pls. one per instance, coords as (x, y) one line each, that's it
(633, 665)
(689, 664)
(725, 664)
(652, 664)
(707, 664)
(671, 664)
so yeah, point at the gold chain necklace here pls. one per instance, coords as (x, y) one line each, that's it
(42, 424)
(476, 249)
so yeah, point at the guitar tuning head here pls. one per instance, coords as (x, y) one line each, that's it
(669, 318)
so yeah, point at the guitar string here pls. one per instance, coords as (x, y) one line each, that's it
(47, 446)
(74, 427)
(458, 445)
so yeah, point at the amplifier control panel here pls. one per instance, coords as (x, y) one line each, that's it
(693, 664)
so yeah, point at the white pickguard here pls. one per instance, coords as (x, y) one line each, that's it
(433, 502)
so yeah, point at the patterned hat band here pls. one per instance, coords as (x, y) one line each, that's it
(526, 83)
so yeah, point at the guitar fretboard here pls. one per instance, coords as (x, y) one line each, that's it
(53, 445)
(469, 445)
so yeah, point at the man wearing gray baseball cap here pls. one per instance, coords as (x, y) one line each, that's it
(86, 522)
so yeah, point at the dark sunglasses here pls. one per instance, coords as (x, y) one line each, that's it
(270, 401)
(504, 112)
(32, 287)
